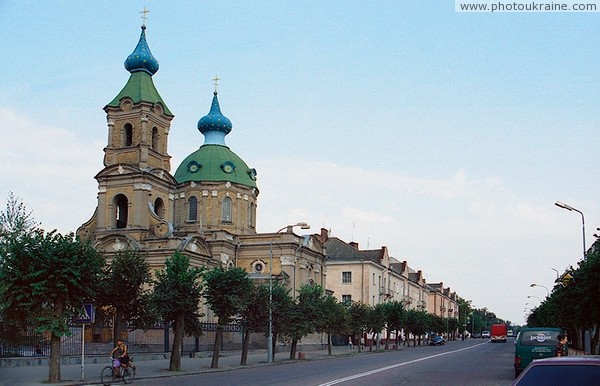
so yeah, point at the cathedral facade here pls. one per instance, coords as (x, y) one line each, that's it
(207, 209)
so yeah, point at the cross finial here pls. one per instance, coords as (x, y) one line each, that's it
(216, 80)
(144, 15)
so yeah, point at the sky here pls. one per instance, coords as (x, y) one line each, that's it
(445, 136)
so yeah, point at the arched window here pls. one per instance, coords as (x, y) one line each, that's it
(159, 207)
(251, 214)
(121, 208)
(226, 210)
(127, 139)
(192, 209)
(154, 138)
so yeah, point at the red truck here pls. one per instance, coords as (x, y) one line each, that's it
(499, 332)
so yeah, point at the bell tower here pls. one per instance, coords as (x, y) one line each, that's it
(135, 188)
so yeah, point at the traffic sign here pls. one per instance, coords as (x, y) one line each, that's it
(86, 314)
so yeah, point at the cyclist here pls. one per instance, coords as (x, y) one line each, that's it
(122, 356)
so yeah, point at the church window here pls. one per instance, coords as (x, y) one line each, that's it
(154, 138)
(127, 134)
(226, 210)
(192, 209)
(251, 214)
(121, 208)
(159, 207)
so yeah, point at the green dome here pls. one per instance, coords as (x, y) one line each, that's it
(213, 162)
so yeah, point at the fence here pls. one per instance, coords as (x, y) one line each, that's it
(98, 341)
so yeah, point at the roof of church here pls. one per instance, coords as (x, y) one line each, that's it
(140, 87)
(214, 161)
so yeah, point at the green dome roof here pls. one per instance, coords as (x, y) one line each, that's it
(215, 163)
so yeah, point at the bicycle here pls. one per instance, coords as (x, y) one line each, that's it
(127, 374)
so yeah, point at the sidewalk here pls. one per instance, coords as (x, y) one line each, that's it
(71, 374)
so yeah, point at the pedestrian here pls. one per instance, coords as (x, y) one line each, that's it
(560, 350)
(350, 345)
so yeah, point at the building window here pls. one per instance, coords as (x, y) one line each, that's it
(159, 207)
(251, 214)
(192, 209)
(226, 210)
(127, 139)
(346, 277)
(347, 299)
(154, 138)
(373, 279)
(121, 207)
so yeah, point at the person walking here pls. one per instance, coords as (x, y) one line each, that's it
(560, 350)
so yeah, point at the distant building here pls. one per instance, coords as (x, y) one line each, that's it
(371, 276)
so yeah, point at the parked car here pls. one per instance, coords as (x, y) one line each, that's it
(477, 335)
(437, 341)
(534, 343)
(485, 334)
(555, 371)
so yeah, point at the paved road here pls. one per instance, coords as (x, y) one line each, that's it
(427, 364)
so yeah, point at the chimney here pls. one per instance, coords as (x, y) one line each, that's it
(324, 235)
(353, 244)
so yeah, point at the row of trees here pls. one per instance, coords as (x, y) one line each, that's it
(573, 304)
(45, 277)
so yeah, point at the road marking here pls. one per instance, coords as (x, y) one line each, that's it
(367, 373)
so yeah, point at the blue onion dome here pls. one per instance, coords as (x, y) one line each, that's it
(141, 58)
(215, 120)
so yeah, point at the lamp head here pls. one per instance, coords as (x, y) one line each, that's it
(303, 225)
(563, 205)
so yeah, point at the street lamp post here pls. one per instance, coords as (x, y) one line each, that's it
(539, 285)
(570, 208)
(302, 225)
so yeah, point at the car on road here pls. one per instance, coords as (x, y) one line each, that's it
(477, 335)
(579, 370)
(485, 334)
(532, 344)
(437, 341)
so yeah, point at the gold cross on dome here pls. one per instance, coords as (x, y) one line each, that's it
(144, 15)
(216, 80)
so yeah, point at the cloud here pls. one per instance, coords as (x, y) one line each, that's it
(50, 169)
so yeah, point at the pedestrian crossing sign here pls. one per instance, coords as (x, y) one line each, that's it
(86, 314)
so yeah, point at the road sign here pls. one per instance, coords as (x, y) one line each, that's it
(86, 315)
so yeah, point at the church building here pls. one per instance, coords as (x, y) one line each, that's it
(207, 209)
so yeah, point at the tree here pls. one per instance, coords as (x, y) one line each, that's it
(227, 292)
(16, 220)
(44, 279)
(359, 320)
(253, 316)
(283, 309)
(176, 298)
(305, 314)
(394, 316)
(124, 290)
(377, 322)
(335, 319)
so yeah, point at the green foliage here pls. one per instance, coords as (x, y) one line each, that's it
(178, 290)
(125, 289)
(44, 277)
(227, 292)
(335, 317)
(15, 220)
(377, 319)
(394, 315)
(306, 313)
(255, 313)
(359, 317)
